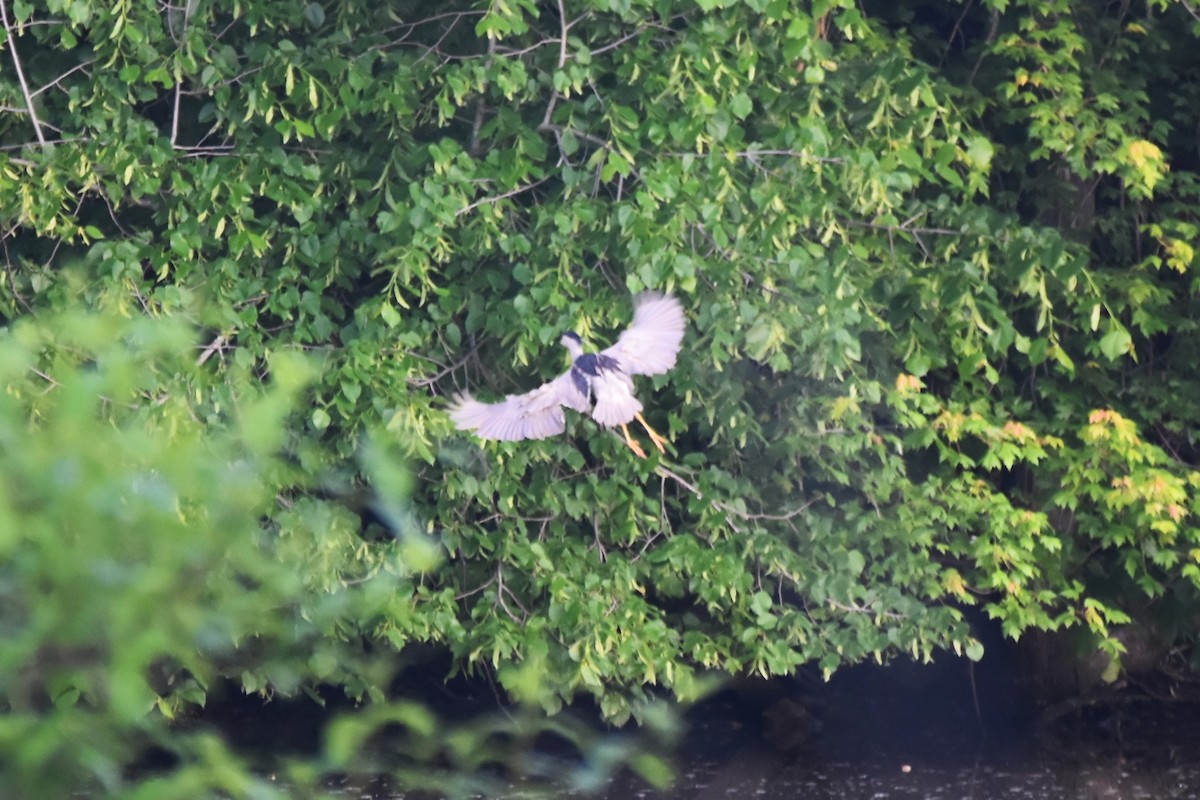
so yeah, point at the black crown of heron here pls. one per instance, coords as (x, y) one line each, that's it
(597, 383)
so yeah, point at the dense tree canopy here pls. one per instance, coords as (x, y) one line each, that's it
(936, 258)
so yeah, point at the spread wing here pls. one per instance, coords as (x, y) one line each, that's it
(651, 342)
(534, 415)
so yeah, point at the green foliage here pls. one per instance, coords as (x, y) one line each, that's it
(926, 249)
(136, 571)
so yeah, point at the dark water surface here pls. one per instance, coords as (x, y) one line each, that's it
(913, 733)
(1157, 769)
(926, 734)
(1142, 750)
(869, 751)
(1040, 779)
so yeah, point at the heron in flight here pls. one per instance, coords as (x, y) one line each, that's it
(599, 383)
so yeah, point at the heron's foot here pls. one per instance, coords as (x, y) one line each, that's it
(633, 445)
(659, 441)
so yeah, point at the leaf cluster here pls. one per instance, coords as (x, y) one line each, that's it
(931, 254)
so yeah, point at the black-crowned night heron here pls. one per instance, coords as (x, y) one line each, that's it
(647, 347)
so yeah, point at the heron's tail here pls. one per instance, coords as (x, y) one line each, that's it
(615, 402)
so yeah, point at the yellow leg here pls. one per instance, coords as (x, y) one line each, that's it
(659, 441)
(634, 446)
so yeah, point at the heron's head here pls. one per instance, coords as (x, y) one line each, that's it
(573, 343)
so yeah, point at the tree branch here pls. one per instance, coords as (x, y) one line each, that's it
(753, 154)
(188, 8)
(562, 41)
(473, 146)
(61, 78)
(728, 509)
(498, 198)
(903, 227)
(12, 46)
(215, 346)
(559, 130)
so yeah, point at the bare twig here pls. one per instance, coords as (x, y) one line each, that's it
(905, 227)
(755, 153)
(476, 590)
(53, 383)
(186, 151)
(956, 31)
(60, 78)
(489, 200)
(481, 104)
(410, 27)
(562, 40)
(436, 47)
(618, 42)
(515, 52)
(855, 609)
(33, 23)
(215, 346)
(11, 272)
(993, 26)
(12, 46)
(596, 538)
(188, 8)
(8, 147)
(58, 243)
(445, 370)
(728, 509)
(175, 114)
(559, 130)
(501, 591)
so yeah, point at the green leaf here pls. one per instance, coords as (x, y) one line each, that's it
(980, 152)
(653, 770)
(741, 105)
(314, 14)
(1116, 343)
(389, 314)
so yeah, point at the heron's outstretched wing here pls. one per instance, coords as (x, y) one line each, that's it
(651, 342)
(534, 415)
